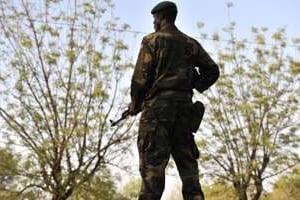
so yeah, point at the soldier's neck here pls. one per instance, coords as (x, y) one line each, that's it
(167, 26)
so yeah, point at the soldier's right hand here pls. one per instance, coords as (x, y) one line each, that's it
(132, 109)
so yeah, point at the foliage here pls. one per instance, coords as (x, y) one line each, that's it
(287, 187)
(219, 191)
(131, 189)
(59, 85)
(11, 175)
(101, 187)
(253, 116)
(8, 169)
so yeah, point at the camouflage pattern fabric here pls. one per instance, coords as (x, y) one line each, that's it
(165, 130)
(169, 66)
(166, 62)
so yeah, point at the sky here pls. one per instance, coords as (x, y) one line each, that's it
(214, 14)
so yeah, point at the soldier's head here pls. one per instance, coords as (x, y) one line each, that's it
(164, 12)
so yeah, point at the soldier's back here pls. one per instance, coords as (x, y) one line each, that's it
(174, 53)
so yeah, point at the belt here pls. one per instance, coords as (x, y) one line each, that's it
(173, 93)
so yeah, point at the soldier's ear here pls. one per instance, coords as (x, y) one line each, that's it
(158, 16)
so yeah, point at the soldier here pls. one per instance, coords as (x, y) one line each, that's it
(169, 66)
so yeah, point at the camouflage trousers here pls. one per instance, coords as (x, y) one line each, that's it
(164, 131)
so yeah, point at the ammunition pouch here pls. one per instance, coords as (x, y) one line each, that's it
(196, 116)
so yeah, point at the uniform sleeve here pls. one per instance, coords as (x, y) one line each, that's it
(207, 73)
(143, 75)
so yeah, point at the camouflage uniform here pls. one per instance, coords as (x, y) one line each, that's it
(161, 87)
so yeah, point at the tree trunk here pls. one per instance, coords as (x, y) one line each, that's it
(241, 191)
(62, 194)
(258, 187)
(58, 197)
(243, 195)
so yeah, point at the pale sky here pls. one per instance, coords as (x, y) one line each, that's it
(214, 13)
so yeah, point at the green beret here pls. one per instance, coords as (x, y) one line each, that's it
(164, 5)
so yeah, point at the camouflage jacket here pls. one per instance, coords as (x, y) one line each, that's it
(167, 62)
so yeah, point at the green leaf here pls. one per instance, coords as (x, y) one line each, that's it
(19, 86)
(274, 67)
(120, 45)
(70, 55)
(260, 39)
(52, 57)
(98, 56)
(88, 8)
(277, 36)
(295, 67)
(26, 42)
(46, 27)
(98, 89)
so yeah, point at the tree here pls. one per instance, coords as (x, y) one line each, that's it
(219, 191)
(59, 83)
(250, 131)
(287, 187)
(131, 189)
(101, 187)
(8, 169)
(9, 173)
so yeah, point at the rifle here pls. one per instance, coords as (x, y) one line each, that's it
(124, 116)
